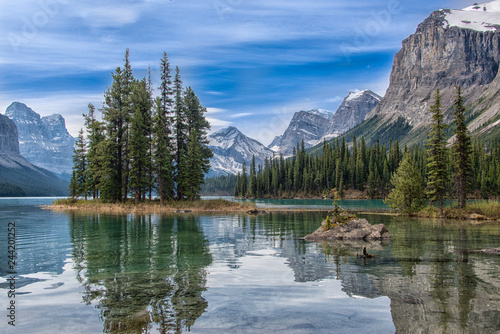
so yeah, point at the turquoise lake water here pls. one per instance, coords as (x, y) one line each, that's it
(95, 273)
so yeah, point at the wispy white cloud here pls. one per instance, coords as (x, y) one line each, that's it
(240, 115)
(218, 122)
(107, 16)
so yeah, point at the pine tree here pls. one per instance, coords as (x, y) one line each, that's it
(407, 194)
(243, 180)
(116, 114)
(162, 156)
(180, 130)
(437, 179)
(462, 151)
(79, 184)
(139, 139)
(252, 186)
(127, 81)
(95, 142)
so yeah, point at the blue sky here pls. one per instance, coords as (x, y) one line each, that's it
(253, 63)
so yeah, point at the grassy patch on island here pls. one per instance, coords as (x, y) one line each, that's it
(210, 205)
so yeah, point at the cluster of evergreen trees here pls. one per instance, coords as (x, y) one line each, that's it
(143, 145)
(370, 168)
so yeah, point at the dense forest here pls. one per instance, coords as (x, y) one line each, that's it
(368, 170)
(143, 145)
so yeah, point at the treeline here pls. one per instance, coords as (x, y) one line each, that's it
(357, 167)
(369, 169)
(143, 145)
(219, 185)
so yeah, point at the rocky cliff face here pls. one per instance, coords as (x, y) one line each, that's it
(352, 112)
(44, 141)
(451, 47)
(307, 126)
(8, 136)
(231, 149)
(18, 177)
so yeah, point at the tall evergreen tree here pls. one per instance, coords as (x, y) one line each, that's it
(139, 139)
(127, 81)
(252, 186)
(462, 151)
(79, 184)
(180, 131)
(162, 155)
(198, 153)
(95, 143)
(437, 179)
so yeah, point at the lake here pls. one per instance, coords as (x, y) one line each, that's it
(94, 273)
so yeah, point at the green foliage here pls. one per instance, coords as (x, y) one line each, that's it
(407, 196)
(462, 151)
(437, 179)
(221, 185)
(143, 143)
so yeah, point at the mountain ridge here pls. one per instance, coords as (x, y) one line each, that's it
(44, 141)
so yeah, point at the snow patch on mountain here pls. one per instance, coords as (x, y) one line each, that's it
(43, 141)
(480, 17)
(231, 149)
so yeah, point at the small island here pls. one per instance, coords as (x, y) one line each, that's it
(206, 205)
(341, 225)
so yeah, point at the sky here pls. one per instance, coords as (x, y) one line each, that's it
(252, 63)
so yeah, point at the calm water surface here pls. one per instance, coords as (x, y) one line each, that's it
(89, 273)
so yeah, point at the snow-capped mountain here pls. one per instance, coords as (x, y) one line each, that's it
(43, 141)
(450, 47)
(308, 126)
(275, 144)
(351, 112)
(231, 149)
(18, 177)
(480, 17)
(323, 113)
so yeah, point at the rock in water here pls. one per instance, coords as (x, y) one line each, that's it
(355, 229)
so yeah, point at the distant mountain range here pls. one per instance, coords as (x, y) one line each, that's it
(43, 141)
(232, 149)
(18, 177)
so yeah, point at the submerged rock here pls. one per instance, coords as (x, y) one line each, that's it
(256, 212)
(355, 229)
(495, 251)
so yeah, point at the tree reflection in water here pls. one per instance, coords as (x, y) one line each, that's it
(142, 271)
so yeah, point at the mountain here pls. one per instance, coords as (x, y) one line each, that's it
(18, 177)
(450, 47)
(231, 149)
(308, 126)
(44, 141)
(352, 112)
(275, 144)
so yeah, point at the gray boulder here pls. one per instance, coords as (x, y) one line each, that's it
(355, 229)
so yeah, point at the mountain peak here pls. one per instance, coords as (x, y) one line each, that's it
(18, 110)
(43, 141)
(231, 149)
(358, 94)
(480, 17)
(230, 130)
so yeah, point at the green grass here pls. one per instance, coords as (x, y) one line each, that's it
(488, 208)
(198, 205)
